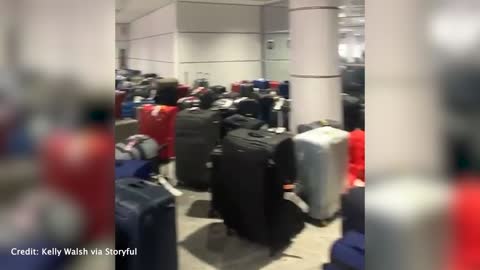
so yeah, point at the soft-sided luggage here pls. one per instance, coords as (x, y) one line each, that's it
(139, 147)
(158, 122)
(216, 180)
(188, 102)
(206, 96)
(225, 106)
(352, 113)
(141, 169)
(248, 107)
(322, 160)
(119, 98)
(349, 252)
(239, 121)
(261, 84)
(284, 89)
(255, 168)
(266, 100)
(182, 91)
(197, 134)
(318, 124)
(166, 91)
(353, 210)
(145, 220)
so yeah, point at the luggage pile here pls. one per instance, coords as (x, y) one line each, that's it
(264, 180)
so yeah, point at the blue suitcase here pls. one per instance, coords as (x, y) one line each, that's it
(284, 89)
(353, 210)
(261, 84)
(141, 169)
(349, 252)
(129, 108)
(145, 220)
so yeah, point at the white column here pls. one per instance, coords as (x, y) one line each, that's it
(314, 65)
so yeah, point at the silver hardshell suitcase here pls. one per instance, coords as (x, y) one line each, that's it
(322, 160)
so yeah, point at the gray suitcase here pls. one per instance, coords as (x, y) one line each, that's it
(322, 160)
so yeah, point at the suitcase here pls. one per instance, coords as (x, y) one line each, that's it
(141, 169)
(318, 124)
(255, 168)
(266, 100)
(158, 122)
(182, 91)
(218, 89)
(188, 102)
(145, 220)
(349, 252)
(248, 107)
(197, 134)
(246, 90)
(225, 106)
(356, 149)
(166, 91)
(280, 115)
(322, 160)
(235, 87)
(125, 128)
(119, 99)
(284, 89)
(353, 210)
(261, 84)
(274, 85)
(239, 121)
(352, 112)
(206, 96)
(86, 180)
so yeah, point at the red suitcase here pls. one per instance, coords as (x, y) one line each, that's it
(237, 85)
(182, 91)
(274, 85)
(356, 168)
(79, 165)
(158, 122)
(119, 98)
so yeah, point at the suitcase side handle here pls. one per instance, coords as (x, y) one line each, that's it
(256, 135)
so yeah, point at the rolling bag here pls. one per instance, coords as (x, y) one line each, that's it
(318, 124)
(139, 147)
(356, 149)
(206, 96)
(266, 100)
(239, 121)
(145, 220)
(216, 181)
(255, 168)
(197, 134)
(284, 89)
(274, 85)
(129, 109)
(261, 84)
(119, 99)
(158, 122)
(352, 112)
(353, 210)
(188, 102)
(322, 160)
(246, 90)
(141, 169)
(166, 91)
(348, 253)
(248, 107)
(225, 106)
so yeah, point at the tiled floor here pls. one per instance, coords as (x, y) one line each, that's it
(204, 244)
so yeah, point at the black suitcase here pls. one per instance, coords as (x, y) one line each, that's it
(254, 169)
(188, 102)
(197, 133)
(318, 124)
(166, 91)
(218, 89)
(216, 181)
(225, 106)
(145, 220)
(206, 96)
(353, 210)
(246, 90)
(248, 107)
(352, 112)
(239, 121)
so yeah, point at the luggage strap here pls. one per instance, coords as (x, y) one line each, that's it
(295, 199)
(121, 149)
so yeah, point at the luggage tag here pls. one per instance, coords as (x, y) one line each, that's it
(163, 181)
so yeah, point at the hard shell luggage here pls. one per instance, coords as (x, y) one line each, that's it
(255, 168)
(239, 121)
(318, 124)
(248, 107)
(197, 134)
(322, 160)
(145, 221)
(353, 210)
(166, 91)
(158, 122)
(261, 84)
(119, 98)
(284, 89)
(349, 252)
(141, 169)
